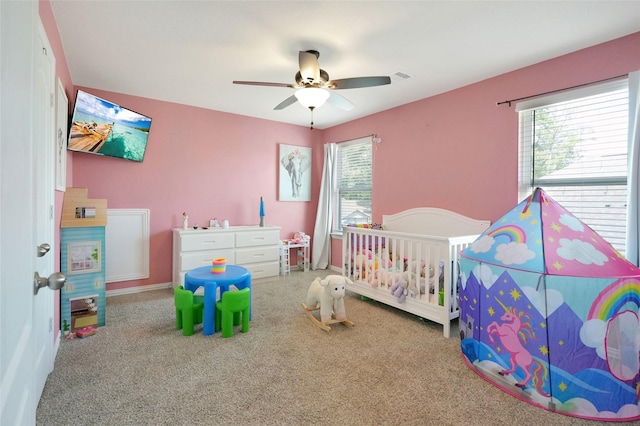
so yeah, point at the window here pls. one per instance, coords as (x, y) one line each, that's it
(574, 146)
(352, 192)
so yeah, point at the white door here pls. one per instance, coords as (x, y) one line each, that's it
(42, 192)
(27, 71)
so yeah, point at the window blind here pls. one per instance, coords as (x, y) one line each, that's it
(574, 145)
(352, 194)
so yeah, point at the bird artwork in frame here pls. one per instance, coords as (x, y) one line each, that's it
(295, 173)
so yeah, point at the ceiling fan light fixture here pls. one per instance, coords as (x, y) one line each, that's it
(312, 97)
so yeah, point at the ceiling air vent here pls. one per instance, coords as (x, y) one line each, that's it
(401, 75)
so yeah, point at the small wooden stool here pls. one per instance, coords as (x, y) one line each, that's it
(324, 325)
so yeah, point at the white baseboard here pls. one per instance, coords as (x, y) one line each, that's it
(138, 289)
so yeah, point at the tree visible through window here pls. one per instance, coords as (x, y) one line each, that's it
(574, 145)
(352, 194)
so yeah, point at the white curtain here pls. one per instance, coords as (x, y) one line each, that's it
(633, 183)
(321, 251)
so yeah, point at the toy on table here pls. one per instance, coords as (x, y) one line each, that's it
(327, 295)
(299, 238)
(219, 265)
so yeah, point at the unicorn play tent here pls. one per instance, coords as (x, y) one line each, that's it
(549, 313)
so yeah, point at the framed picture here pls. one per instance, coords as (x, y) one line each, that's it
(84, 257)
(295, 173)
(62, 115)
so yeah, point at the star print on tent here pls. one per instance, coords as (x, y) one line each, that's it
(549, 313)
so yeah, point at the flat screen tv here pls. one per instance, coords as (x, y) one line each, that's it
(104, 128)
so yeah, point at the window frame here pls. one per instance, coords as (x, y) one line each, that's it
(337, 191)
(526, 180)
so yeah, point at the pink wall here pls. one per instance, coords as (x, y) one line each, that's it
(202, 162)
(458, 150)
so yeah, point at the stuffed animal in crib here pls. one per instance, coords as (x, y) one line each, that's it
(372, 274)
(440, 278)
(374, 278)
(410, 282)
(386, 278)
(431, 281)
(362, 262)
(385, 259)
(383, 277)
(328, 295)
(421, 283)
(414, 283)
(399, 290)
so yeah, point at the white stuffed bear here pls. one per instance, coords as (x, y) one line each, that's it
(328, 294)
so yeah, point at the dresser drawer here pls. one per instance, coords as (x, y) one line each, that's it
(196, 259)
(256, 255)
(263, 270)
(258, 238)
(254, 247)
(207, 241)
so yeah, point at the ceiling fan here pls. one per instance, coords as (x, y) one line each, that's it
(315, 88)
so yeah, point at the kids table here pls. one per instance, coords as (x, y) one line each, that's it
(203, 277)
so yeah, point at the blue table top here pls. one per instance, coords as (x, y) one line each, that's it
(204, 275)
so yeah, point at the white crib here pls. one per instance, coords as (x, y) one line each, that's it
(415, 254)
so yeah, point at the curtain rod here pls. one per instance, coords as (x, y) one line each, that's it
(374, 138)
(560, 90)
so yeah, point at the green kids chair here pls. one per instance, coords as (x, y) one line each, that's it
(233, 309)
(189, 310)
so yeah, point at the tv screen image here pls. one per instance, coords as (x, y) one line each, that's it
(104, 128)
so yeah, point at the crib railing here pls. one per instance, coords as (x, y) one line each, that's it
(415, 273)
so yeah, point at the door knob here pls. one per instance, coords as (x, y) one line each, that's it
(43, 249)
(54, 282)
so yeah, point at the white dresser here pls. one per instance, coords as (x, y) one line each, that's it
(253, 247)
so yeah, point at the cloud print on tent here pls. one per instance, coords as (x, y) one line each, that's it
(539, 262)
(545, 307)
(607, 313)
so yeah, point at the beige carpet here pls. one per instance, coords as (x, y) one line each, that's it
(392, 368)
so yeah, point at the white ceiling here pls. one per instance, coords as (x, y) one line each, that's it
(189, 52)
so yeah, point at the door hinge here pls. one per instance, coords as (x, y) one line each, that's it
(50, 211)
(51, 99)
(50, 325)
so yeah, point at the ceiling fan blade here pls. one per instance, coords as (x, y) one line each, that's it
(261, 83)
(340, 101)
(309, 68)
(358, 82)
(289, 101)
